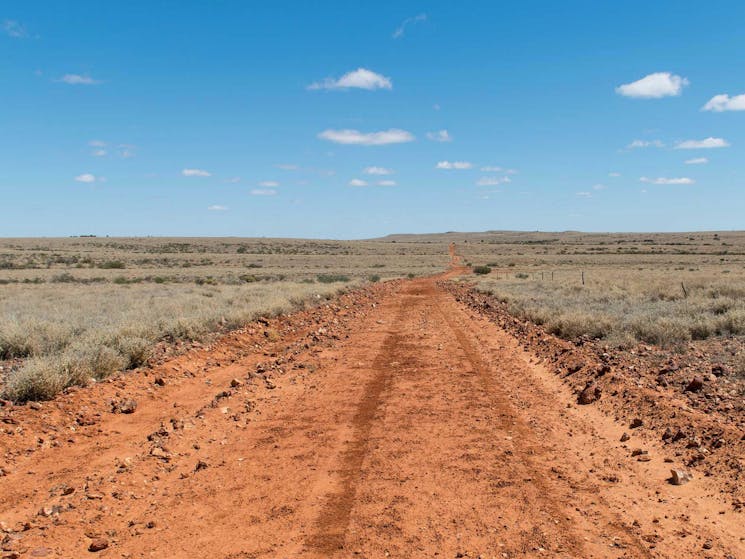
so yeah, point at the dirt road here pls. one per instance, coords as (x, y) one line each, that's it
(395, 423)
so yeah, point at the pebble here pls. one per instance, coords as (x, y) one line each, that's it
(679, 477)
(98, 544)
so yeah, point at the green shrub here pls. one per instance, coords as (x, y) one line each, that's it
(332, 278)
(482, 270)
(374, 278)
(112, 265)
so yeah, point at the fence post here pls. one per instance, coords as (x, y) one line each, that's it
(583, 277)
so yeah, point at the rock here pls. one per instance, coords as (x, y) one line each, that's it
(625, 437)
(679, 477)
(638, 452)
(3, 472)
(127, 405)
(636, 423)
(719, 370)
(696, 384)
(98, 544)
(668, 434)
(159, 381)
(201, 465)
(708, 545)
(235, 383)
(35, 406)
(589, 394)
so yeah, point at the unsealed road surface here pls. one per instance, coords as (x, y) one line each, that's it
(419, 430)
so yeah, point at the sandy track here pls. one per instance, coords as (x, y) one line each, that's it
(396, 424)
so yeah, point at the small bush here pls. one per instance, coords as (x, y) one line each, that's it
(332, 278)
(112, 265)
(521, 275)
(374, 278)
(482, 270)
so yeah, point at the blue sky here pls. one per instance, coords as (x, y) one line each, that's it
(261, 119)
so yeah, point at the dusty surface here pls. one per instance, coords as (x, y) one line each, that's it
(397, 422)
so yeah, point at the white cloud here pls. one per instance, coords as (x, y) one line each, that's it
(377, 171)
(361, 78)
(599, 187)
(708, 143)
(196, 173)
(269, 184)
(234, 180)
(357, 182)
(387, 183)
(460, 165)
(646, 144)
(491, 169)
(217, 208)
(723, 102)
(77, 79)
(355, 137)
(98, 152)
(665, 180)
(87, 178)
(401, 29)
(493, 181)
(584, 194)
(287, 167)
(654, 86)
(697, 161)
(126, 151)
(614, 175)
(14, 29)
(263, 192)
(97, 144)
(440, 136)
(436, 106)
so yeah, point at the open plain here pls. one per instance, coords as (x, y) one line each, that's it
(406, 418)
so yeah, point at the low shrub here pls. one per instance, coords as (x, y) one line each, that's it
(481, 270)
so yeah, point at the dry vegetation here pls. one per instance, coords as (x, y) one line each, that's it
(77, 309)
(660, 289)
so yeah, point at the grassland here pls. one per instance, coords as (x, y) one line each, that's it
(77, 309)
(663, 289)
(81, 308)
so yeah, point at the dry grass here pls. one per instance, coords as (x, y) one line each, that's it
(77, 309)
(659, 289)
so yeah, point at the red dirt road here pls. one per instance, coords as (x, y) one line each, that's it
(394, 423)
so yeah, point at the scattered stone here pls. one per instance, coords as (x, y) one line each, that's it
(625, 437)
(235, 383)
(719, 370)
(159, 381)
(98, 544)
(201, 465)
(3, 472)
(35, 406)
(126, 405)
(708, 545)
(589, 394)
(668, 434)
(636, 423)
(638, 452)
(696, 384)
(679, 477)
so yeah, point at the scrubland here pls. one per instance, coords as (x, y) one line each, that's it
(662, 289)
(77, 309)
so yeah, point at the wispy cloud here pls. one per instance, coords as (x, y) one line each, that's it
(707, 143)
(497, 169)
(723, 102)
(196, 173)
(233, 180)
(614, 175)
(89, 178)
(263, 192)
(217, 208)
(14, 29)
(97, 143)
(599, 187)
(377, 171)
(126, 151)
(459, 165)
(646, 144)
(583, 194)
(493, 181)
(287, 167)
(357, 182)
(654, 86)
(439, 136)
(99, 152)
(386, 183)
(78, 79)
(401, 29)
(361, 78)
(665, 180)
(697, 161)
(269, 184)
(355, 137)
